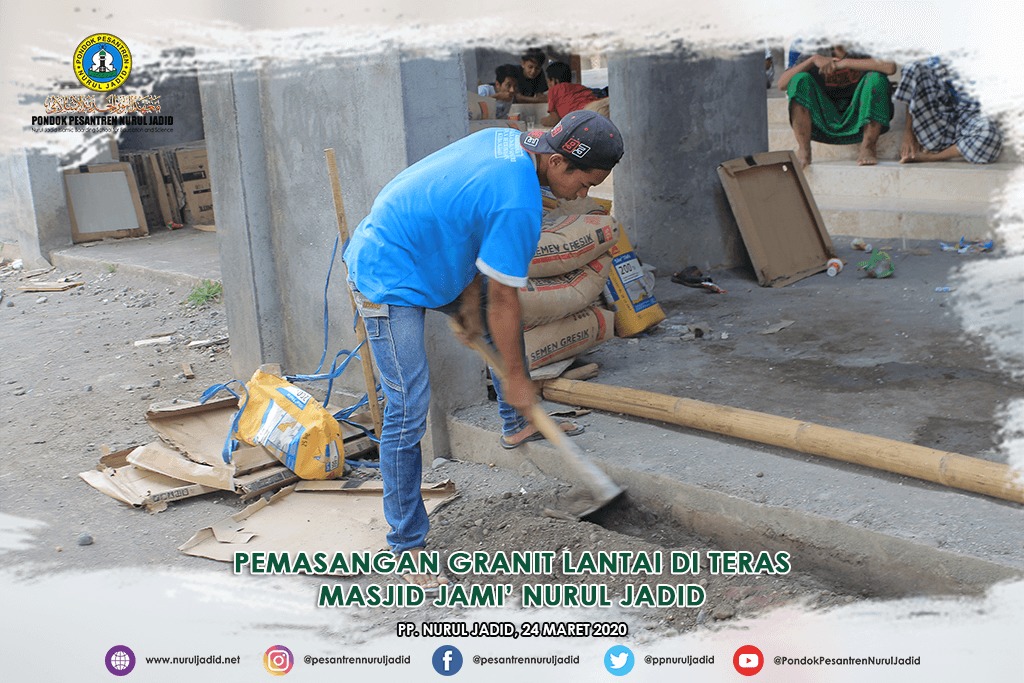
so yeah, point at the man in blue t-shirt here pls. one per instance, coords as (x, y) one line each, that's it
(456, 232)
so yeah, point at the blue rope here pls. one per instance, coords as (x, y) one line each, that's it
(230, 443)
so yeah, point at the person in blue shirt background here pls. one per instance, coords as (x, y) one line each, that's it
(456, 232)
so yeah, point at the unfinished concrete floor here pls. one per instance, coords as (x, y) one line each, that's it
(881, 357)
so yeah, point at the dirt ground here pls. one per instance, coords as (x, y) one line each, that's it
(72, 384)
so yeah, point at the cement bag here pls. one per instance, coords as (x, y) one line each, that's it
(627, 290)
(571, 242)
(550, 298)
(293, 425)
(568, 337)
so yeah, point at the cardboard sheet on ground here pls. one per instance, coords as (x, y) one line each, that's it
(311, 516)
(199, 430)
(196, 429)
(777, 217)
(161, 458)
(138, 487)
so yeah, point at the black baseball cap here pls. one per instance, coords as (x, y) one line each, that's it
(584, 136)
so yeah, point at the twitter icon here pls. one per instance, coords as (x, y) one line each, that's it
(619, 660)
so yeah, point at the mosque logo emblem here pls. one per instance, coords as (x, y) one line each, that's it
(102, 62)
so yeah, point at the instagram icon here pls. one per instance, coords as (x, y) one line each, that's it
(278, 660)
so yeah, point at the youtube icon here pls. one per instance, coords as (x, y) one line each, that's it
(748, 660)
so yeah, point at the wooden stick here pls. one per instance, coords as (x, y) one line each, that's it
(950, 469)
(602, 489)
(365, 355)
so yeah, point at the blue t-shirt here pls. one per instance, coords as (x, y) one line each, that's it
(473, 206)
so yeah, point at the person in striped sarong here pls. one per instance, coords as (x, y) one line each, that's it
(943, 120)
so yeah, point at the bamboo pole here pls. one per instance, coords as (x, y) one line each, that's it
(365, 356)
(941, 467)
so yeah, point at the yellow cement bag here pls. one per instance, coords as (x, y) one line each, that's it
(568, 337)
(293, 425)
(568, 243)
(551, 298)
(635, 307)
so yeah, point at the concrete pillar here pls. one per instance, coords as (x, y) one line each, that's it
(267, 129)
(681, 115)
(17, 218)
(434, 100)
(34, 210)
(238, 169)
(53, 225)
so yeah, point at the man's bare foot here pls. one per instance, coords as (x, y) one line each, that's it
(909, 147)
(867, 156)
(428, 582)
(529, 433)
(803, 157)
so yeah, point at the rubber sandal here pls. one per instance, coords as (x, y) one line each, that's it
(431, 591)
(537, 436)
(691, 276)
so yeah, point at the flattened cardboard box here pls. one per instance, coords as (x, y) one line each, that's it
(311, 516)
(777, 217)
(138, 487)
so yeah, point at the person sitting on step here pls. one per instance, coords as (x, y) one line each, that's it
(943, 120)
(839, 98)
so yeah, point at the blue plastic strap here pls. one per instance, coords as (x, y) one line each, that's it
(230, 443)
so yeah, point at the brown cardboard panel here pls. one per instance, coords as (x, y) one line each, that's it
(149, 192)
(777, 217)
(103, 201)
(199, 201)
(329, 518)
(198, 433)
(138, 487)
(161, 458)
(192, 162)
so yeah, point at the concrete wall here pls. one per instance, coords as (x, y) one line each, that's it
(16, 212)
(266, 131)
(53, 225)
(176, 80)
(179, 97)
(680, 116)
(33, 208)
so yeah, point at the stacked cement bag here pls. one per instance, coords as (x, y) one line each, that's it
(567, 275)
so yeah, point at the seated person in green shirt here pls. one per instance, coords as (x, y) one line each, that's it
(841, 98)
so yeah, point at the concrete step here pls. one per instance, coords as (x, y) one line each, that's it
(780, 136)
(937, 181)
(919, 219)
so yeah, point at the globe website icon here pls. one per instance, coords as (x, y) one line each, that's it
(120, 660)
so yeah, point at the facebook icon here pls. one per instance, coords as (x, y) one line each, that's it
(447, 660)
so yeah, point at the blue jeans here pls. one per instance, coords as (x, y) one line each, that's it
(395, 334)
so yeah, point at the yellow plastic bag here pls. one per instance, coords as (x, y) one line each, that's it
(636, 309)
(293, 425)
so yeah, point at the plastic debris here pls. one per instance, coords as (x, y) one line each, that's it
(943, 290)
(833, 267)
(966, 246)
(878, 266)
(860, 245)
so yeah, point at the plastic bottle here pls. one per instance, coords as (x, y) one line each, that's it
(860, 245)
(833, 267)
